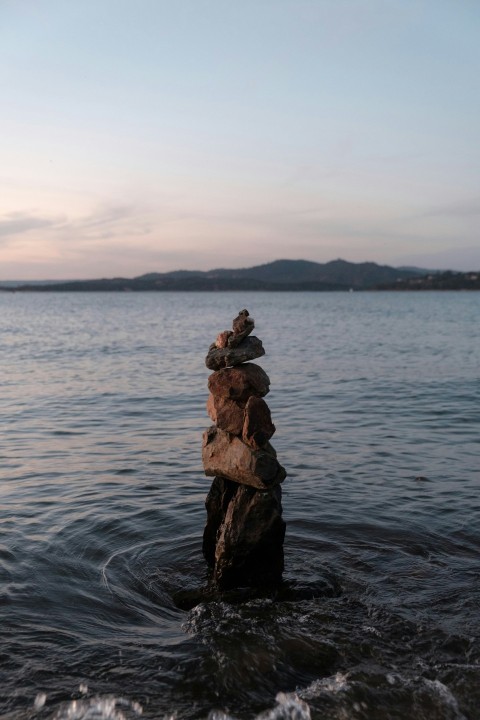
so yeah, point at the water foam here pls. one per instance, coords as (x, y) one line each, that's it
(99, 708)
(289, 706)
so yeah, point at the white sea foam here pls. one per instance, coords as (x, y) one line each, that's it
(99, 708)
(445, 696)
(332, 685)
(40, 701)
(372, 630)
(289, 706)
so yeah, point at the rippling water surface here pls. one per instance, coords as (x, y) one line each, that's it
(376, 399)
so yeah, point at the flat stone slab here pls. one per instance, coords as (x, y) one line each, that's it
(239, 383)
(221, 357)
(226, 455)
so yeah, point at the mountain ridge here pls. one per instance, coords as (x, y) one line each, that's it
(293, 271)
(278, 275)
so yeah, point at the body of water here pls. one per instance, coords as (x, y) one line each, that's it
(376, 400)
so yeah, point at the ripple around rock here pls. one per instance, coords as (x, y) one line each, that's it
(285, 591)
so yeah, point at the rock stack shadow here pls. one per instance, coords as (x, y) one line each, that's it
(244, 533)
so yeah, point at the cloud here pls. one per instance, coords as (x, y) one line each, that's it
(104, 216)
(138, 235)
(17, 223)
(108, 221)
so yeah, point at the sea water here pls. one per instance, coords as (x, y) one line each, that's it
(376, 400)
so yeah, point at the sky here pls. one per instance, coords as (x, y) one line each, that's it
(155, 135)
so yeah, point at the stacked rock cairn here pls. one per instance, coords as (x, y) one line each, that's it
(244, 533)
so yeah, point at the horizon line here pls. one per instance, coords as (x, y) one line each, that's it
(218, 269)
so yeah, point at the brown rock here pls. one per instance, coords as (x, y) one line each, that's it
(249, 349)
(226, 455)
(222, 339)
(216, 503)
(244, 533)
(226, 414)
(249, 541)
(258, 427)
(239, 383)
(242, 327)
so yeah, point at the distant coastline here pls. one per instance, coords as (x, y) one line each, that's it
(447, 280)
(277, 276)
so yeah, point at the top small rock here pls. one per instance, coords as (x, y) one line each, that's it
(233, 347)
(242, 327)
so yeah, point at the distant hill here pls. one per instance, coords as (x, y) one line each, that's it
(414, 270)
(20, 283)
(280, 275)
(448, 280)
(339, 273)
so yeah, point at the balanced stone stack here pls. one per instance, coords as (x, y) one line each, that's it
(243, 537)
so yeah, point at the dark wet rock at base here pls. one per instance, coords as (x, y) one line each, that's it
(250, 540)
(216, 504)
(257, 427)
(249, 349)
(243, 538)
(239, 383)
(226, 455)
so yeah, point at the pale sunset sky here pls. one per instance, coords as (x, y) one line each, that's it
(146, 135)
